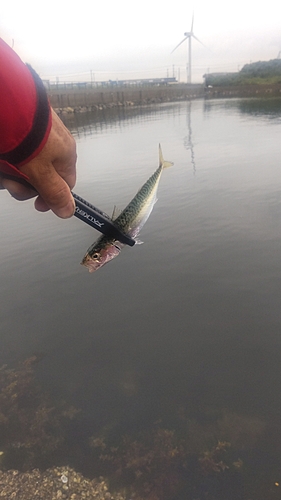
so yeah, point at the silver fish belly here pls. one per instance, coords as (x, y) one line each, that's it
(130, 221)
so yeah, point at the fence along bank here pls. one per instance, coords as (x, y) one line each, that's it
(72, 99)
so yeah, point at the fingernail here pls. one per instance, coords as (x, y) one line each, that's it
(67, 211)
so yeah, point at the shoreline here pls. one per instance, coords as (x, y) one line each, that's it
(77, 100)
(53, 483)
(71, 100)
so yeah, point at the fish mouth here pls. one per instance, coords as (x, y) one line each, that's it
(102, 256)
(90, 263)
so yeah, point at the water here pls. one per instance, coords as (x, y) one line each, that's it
(188, 322)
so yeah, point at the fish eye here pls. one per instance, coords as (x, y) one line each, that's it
(95, 256)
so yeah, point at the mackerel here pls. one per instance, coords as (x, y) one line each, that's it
(130, 221)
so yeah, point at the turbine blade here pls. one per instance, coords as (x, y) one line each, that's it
(179, 44)
(191, 31)
(198, 40)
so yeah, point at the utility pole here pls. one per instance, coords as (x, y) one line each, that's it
(92, 77)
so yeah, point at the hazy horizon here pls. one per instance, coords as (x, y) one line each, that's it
(85, 41)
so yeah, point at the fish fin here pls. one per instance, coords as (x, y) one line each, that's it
(138, 241)
(116, 212)
(163, 163)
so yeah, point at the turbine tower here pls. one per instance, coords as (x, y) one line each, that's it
(188, 36)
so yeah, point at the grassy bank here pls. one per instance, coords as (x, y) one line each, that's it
(261, 73)
(245, 90)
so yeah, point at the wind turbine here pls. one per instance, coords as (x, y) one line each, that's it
(188, 36)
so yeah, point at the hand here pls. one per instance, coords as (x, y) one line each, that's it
(52, 173)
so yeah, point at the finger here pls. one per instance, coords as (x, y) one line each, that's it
(52, 189)
(56, 197)
(17, 190)
(40, 205)
(67, 172)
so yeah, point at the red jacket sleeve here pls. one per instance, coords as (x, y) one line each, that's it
(25, 117)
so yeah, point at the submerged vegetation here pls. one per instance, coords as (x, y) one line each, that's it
(261, 72)
(207, 460)
(213, 455)
(32, 428)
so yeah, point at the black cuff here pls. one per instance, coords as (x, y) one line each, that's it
(40, 124)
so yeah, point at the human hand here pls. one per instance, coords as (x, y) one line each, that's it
(52, 173)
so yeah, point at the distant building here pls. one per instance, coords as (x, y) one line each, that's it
(111, 83)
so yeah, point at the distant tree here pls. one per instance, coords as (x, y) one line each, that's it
(260, 72)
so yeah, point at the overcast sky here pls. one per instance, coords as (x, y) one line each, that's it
(125, 39)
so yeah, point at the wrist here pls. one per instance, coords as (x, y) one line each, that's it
(37, 136)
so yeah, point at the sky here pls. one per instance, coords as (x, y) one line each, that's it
(121, 39)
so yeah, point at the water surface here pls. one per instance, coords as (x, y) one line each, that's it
(190, 319)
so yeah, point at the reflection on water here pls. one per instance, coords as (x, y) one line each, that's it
(188, 144)
(88, 123)
(172, 352)
(261, 108)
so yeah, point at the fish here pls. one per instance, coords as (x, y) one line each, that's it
(130, 221)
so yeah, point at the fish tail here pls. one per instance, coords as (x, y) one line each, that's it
(163, 163)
